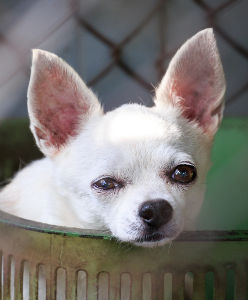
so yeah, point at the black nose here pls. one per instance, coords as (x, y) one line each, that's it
(156, 213)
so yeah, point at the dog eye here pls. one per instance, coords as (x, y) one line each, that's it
(107, 183)
(183, 174)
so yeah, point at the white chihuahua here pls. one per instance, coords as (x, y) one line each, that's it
(136, 172)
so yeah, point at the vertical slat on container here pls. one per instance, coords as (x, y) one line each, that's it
(42, 286)
(26, 281)
(241, 282)
(33, 281)
(71, 282)
(1, 275)
(157, 286)
(209, 285)
(147, 286)
(125, 286)
(230, 282)
(46, 271)
(178, 286)
(188, 286)
(18, 279)
(6, 276)
(114, 286)
(51, 283)
(103, 286)
(82, 282)
(60, 284)
(136, 286)
(167, 295)
(12, 277)
(92, 286)
(219, 284)
(199, 286)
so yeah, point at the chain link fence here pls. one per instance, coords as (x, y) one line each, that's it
(118, 38)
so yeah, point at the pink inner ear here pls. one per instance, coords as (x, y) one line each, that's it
(196, 90)
(58, 106)
(195, 81)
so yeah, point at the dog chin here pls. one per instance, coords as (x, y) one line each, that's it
(154, 240)
(148, 237)
(152, 244)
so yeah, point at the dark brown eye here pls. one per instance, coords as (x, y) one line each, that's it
(107, 183)
(183, 174)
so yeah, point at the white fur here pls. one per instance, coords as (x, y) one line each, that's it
(133, 143)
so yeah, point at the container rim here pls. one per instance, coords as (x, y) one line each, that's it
(185, 236)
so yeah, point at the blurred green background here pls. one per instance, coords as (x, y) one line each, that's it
(226, 201)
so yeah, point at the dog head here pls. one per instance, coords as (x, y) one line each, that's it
(137, 172)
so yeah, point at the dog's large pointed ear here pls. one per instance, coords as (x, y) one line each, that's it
(59, 102)
(195, 83)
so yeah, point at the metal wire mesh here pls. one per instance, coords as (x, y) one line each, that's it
(157, 13)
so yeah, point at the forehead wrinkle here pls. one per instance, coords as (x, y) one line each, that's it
(131, 160)
(127, 125)
(156, 155)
